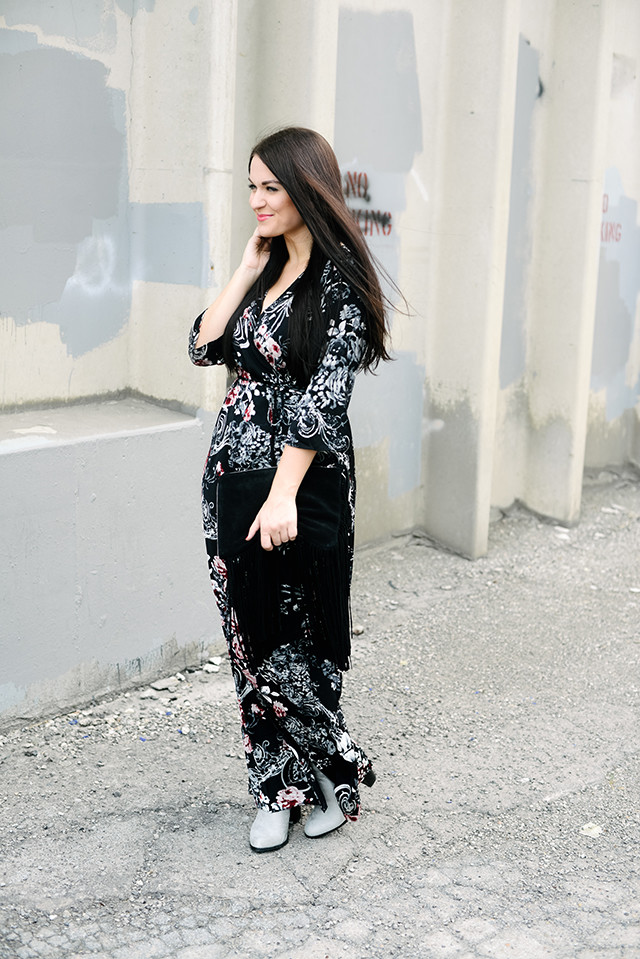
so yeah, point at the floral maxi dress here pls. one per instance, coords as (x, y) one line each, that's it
(290, 704)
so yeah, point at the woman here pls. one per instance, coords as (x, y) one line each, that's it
(300, 316)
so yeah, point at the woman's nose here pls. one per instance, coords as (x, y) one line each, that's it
(256, 200)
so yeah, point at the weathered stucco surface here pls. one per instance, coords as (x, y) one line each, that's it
(490, 153)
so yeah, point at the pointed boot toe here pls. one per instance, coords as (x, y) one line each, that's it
(323, 821)
(270, 830)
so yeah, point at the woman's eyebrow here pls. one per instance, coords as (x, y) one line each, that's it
(264, 182)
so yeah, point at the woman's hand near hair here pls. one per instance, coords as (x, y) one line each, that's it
(215, 319)
(256, 253)
(277, 520)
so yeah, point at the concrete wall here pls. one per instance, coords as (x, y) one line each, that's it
(117, 131)
(569, 370)
(102, 566)
(490, 154)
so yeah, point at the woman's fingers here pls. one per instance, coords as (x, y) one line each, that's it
(274, 537)
(256, 252)
(266, 541)
(253, 529)
(276, 525)
(271, 536)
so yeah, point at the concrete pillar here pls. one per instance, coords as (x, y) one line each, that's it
(219, 171)
(467, 277)
(564, 267)
(181, 159)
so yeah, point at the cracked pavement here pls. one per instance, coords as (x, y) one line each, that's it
(499, 702)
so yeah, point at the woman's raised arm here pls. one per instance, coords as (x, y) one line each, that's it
(215, 319)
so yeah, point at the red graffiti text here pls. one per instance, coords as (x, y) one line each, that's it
(373, 222)
(355, 185)
(610, 232)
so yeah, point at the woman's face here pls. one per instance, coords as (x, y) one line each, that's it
(271, 203)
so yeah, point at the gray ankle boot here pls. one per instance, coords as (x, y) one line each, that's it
(322, 821)
(270, 830)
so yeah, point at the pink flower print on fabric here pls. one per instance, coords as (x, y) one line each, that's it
(220, 568)
(268, 346)
(290, 797)
(232, 396)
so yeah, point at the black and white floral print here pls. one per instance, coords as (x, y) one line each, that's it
(290, 714)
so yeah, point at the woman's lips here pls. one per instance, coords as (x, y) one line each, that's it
(264, 216)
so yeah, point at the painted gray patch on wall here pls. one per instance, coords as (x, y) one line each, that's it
(378, 121)
(63, 182)
(64, 18)
(378, 115)
(131, 7)
(378, 131)
(618, 291)
(17, 41)
(96, 300)
(390, 405)
(169, 243)
(513, 346)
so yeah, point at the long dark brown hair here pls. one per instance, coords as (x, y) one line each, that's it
(305, 165)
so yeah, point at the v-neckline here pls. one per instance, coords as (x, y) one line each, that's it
(263, 308)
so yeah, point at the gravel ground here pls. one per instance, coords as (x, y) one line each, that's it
(499, 701)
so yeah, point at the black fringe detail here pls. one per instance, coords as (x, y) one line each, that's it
(326, 582)
(255, 580)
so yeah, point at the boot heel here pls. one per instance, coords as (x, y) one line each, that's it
(370, 778)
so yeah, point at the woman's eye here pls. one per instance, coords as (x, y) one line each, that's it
(252, 186)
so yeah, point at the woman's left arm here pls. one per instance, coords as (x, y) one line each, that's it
(278, 518)
(320, 423)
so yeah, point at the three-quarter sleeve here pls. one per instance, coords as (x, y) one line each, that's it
(319, 421)
(210, 354)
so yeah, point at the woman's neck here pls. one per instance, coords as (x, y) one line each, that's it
(299, 246)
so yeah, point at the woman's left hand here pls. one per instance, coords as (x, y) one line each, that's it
(277, 521)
